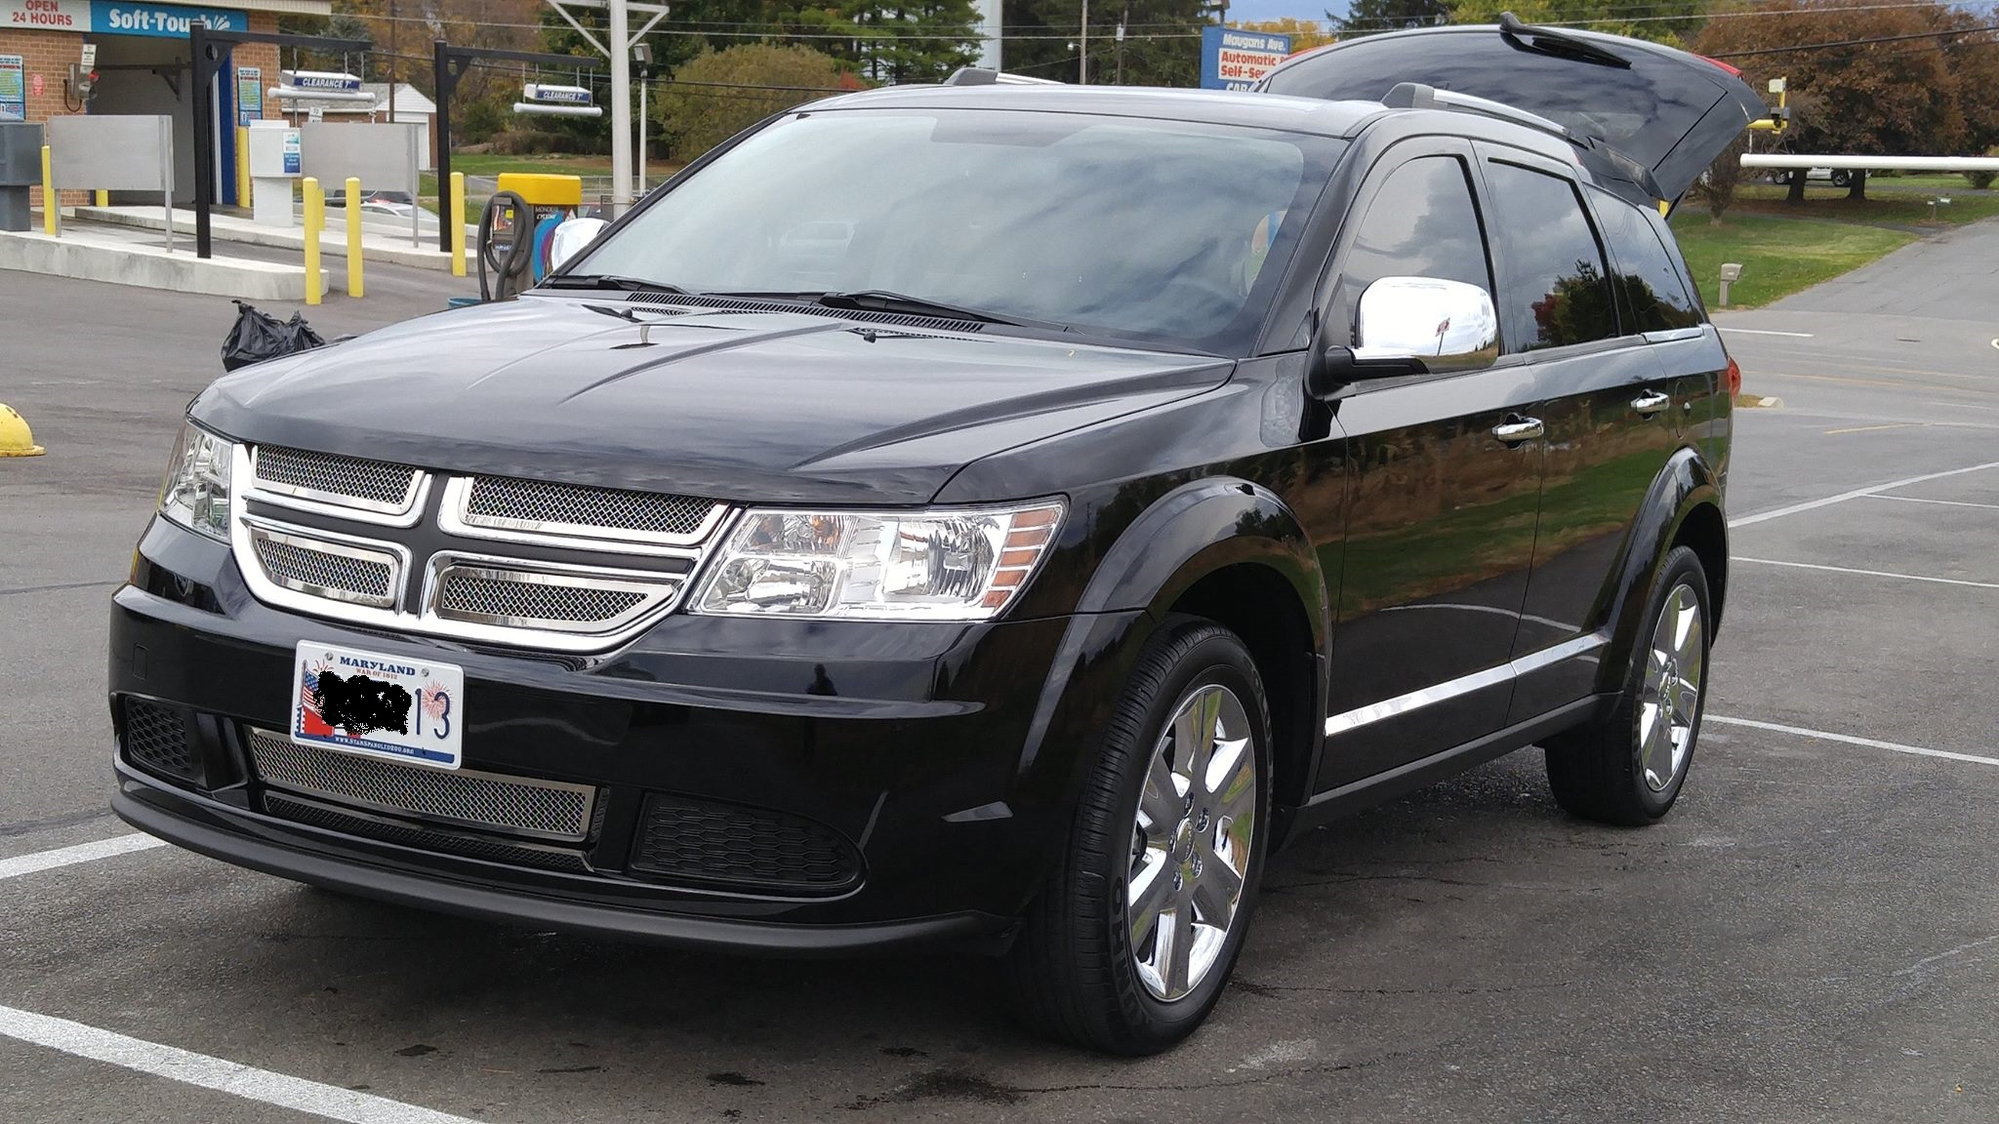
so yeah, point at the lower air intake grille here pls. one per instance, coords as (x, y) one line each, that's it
(156, 740)
(750, 848)
(404, 835)
(515, 805)
(325, 570)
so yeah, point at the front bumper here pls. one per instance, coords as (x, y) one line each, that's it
(941, 759)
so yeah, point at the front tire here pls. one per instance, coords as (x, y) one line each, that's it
(1135, 934)
(1629, 768)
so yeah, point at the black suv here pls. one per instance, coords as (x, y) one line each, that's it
(993, 512)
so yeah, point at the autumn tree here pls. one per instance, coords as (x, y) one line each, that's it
(720, 93)
(1664, 22)
(1365, 17)
(1872, 79)
(1305, 34)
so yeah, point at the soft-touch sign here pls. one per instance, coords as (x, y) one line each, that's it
(117, 17)
(1234, 60)
(45, 15)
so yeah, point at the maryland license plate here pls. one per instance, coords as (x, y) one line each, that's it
(381, 706)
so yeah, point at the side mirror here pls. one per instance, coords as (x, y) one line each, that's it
(571, 238)
(1409, 326)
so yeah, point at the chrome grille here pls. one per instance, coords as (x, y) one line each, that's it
(375, 485)
(569, 602)
(327, 569)
(514, 805)
(504, 503)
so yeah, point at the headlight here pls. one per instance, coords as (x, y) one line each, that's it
(957, 565)
(196, 491)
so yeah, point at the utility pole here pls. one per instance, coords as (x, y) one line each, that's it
(616, 46)
(1121, 20)
(1083, 55)
(393, 60)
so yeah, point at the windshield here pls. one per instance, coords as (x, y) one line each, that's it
(1166, 232)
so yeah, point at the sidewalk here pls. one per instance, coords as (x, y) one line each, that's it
(381, 241)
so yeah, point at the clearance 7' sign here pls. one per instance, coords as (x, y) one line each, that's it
(1234, 60)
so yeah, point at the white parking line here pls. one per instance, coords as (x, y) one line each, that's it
(1871, 743)
(1808, 505)
(1946, 503)
(1869, 573)
(81, 853)
(234, 1078)
(1764, 332)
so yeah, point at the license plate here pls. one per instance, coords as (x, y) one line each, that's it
(377, 705)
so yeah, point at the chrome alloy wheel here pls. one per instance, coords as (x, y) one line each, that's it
(1190, 842)
(1670, 697)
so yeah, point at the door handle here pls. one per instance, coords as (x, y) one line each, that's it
(1517, 429)
(1651, 403)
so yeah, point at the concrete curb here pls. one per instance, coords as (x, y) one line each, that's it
(153, 267)
(375, 245)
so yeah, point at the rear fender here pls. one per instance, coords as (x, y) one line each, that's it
(1685, 484)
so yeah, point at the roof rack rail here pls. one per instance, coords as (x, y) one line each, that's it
(986, 76)
(1415, 95)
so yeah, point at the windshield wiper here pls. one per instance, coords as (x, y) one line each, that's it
(881, 300)
(610, 281)
(1549, 41)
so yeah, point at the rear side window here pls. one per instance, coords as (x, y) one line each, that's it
(1654, 288)
(1421, 224)
(1555, 290)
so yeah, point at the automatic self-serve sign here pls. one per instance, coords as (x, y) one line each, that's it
(1234, 60)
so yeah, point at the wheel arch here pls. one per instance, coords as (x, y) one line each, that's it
(1682, 508)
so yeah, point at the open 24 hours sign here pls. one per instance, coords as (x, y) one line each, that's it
(117, 17)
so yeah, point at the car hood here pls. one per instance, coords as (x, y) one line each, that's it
(765, 407)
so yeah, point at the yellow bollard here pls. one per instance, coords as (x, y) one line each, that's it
(455, 214)
(315, 221)
(243, 167)
(50, 205)
(103, 198)
(353, 236)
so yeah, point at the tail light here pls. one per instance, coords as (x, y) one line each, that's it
(1734, 378)
(1717, 62)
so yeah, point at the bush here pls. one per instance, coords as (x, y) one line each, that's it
(1981, 180)
(720, 93)
(535, 142)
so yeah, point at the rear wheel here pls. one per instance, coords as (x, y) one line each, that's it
(1628, 769)
(1133, 938)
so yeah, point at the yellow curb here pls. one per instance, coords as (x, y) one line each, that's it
(16, 439)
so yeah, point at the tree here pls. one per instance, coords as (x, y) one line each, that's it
(1364, 17)
(1161, 46)
(886, 41)
(721, 93)
(1305, 34)
(1665, 22)
(1716, 187)
(1923, 96)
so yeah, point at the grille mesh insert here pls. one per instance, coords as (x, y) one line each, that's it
(156, 739)
(748, 847)
(492, 850)
(524, 504)
(463, 595)
(308, 571)
(375, 482)
(539, 808)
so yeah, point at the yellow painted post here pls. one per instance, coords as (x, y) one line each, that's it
(49, 203)
(455, 215)
(103, 198)
(315, 221)
(243, 166)
(353, 236)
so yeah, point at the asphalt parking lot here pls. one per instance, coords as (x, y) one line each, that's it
(1813, 935)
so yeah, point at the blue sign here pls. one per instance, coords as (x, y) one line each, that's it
(323, 80)
(1235, 60)
(163, 21)
(13, 91)
(559, 95)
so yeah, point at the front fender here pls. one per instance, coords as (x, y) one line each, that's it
(1684, 485)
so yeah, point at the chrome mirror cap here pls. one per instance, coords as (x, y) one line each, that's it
(1448, 324)
(570, 238)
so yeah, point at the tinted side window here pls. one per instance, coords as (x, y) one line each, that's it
(1421, 224)
(1556, 290)
(1653, 288)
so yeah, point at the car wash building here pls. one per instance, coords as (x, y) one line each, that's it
(139, 54)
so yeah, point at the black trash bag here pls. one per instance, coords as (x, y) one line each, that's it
(257, 336)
